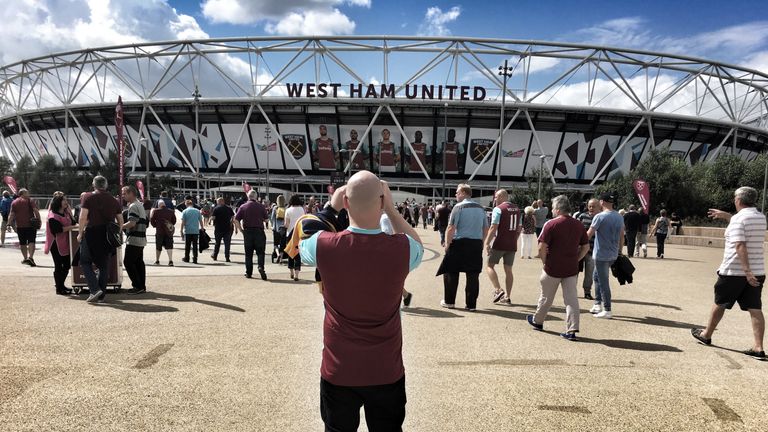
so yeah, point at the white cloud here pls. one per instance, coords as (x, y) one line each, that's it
(757, 61)
(312, 23)
(435, 21)
(288, 17)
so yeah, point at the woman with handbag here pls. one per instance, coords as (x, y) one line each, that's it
(60, 223)
(660, 230)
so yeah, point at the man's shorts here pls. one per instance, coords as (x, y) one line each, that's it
(26, 236)
(730, 290)
(163, 241)
(497, 255)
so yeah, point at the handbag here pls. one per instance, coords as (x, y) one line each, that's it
(36, 223)
(171, 228)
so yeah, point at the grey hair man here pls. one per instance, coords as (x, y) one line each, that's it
(741, 274)
(562, 244)
(251, 219)
(99, 209)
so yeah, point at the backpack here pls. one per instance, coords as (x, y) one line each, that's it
(280, 213)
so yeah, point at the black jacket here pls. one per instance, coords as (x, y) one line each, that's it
(622, 269)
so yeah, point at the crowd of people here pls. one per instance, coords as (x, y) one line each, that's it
(361, 224)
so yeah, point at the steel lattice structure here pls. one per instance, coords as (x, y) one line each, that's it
(245, 78)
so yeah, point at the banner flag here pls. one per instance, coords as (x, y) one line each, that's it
(140, 187)
(120, 142)
(11, 184)
(643, 194)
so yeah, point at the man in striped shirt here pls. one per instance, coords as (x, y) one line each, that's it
(742, 272)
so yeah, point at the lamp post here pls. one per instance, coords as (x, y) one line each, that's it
(542, 158)
(196, 102)
(506, 72)
(445, 142)
(267, 132)
(765, 185)
(143, 141)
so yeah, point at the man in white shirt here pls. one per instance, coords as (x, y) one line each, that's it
(742, 272)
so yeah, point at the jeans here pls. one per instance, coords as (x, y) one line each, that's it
(442, 235)
(134, 266)
(61, 266)
(631, 239)
(190, 242)
(95, 284)
(660, 238)
(601, 276)
(384, 406)
(589, 270)
(254, 240)
(472, 290)
(219, 236)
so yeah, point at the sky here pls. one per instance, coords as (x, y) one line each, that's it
(735, 31)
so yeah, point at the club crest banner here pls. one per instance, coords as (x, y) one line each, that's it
(297, 145)
(479, 147)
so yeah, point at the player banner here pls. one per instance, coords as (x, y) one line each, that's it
(643, 194)
(140, 187)
(11, 184)
(120, 142)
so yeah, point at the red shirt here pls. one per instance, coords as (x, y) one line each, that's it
(22, 211)
(252, 214)
(363, 278)
(563, 236)
(102, 208)
(509, 228)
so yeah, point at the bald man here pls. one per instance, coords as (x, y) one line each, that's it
(501, 243)
(362, 361)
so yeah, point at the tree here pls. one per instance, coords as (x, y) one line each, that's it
(6, 166)
(22, 173)
(46, 177)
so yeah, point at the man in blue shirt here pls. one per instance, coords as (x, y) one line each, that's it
(467, 227)
(191, 225)
(608, 229)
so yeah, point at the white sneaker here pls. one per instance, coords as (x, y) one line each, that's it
(596, 308)
(604, 314)
(447, 305)
(94, 296)
(645, 251)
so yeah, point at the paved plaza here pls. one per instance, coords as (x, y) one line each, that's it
(208, 350)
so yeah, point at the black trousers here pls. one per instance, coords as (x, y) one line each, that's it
(190, 242)
(384, 406)
(61, 266)
(451, 286)
(631, 241)
(254, 240)
(219, 236)
(660, 244)
(134, 266)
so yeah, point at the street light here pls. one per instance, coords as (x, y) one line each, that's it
(445, 141)
(143, 141)
(267, 131)
(506, 72)
(542, 158)
(196, 103)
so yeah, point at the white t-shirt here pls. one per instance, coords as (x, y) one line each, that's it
(748, 225)
(292, 214)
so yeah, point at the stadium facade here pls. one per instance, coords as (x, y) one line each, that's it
(223, 110)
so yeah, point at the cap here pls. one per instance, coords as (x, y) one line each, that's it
(608, 197)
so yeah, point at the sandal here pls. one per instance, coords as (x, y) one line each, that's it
(696, 333)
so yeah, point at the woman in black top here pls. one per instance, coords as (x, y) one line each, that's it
(62, 263)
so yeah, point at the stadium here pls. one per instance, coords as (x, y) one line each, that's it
(290, 111)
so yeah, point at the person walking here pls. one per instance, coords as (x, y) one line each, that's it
(98, 210)
(223, 228)
(529, 233)
(467, 227)
(443, 213)
(251, 219)
(741, 274)
(661, 231)
(191, 225)
(562, 244)
(424, 215)
(60, 223)
(501, 243)
(633, 222)
(292, 215)
(279, 230)
(5, 212)
(608, 229)
(642, 236)
(540, 213)
(26, 216)
(362, 362)
(136, 238)
(163, 218)
(588, 263)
